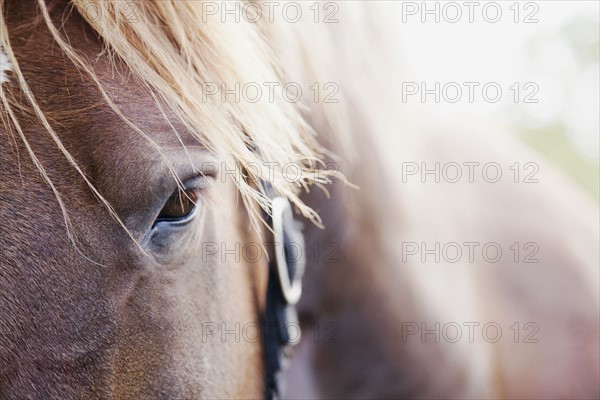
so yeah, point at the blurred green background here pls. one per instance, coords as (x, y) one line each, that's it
(564, 139)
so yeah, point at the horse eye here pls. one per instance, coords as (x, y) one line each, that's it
(179, 207)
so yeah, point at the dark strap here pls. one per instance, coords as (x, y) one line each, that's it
(280, 321)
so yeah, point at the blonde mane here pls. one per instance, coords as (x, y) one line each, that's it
(5, 66)
(172, 48)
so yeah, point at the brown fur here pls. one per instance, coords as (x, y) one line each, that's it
(103, 320)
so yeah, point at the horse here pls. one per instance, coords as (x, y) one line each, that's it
(137, 199)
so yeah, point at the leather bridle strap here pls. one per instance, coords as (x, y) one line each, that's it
(286, 267)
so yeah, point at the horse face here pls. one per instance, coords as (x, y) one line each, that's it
(163, 308)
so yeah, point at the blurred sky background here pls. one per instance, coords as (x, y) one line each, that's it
(559, 53)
